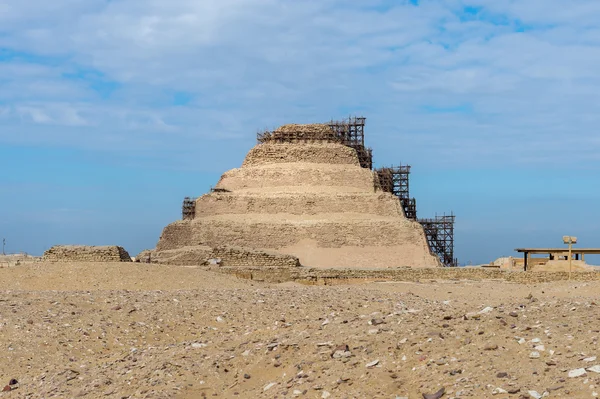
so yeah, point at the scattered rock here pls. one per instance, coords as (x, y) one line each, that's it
(436, 395)
(594, 369)
(269, 386)
(535, 394)
(577, 373)
(342, 351)
(490, 347)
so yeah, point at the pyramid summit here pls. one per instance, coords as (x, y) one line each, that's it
(302, 192)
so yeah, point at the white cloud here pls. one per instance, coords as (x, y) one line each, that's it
(51, 114)
(250, 64)
(37, 115)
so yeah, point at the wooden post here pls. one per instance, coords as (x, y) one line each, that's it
(525, 257)
(570, 258)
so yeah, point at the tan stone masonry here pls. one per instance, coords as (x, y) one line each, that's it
(306, 199)
(84, 253)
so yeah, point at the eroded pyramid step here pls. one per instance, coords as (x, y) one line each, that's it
(275, 233)
(322, 153)
(294, 177)
(379, 204)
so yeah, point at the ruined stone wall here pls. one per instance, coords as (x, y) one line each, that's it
(381, 204)
(83, 253)
(297, 176)
(226, 256)
(350, 276)
(185, 256)
(239, 257)
(324, 153)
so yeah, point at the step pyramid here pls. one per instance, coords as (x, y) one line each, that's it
(308, 197)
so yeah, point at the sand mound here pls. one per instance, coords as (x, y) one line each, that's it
(562, 266)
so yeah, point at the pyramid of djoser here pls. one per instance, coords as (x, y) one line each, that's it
(307, 198)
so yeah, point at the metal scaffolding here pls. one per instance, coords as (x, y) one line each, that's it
(365, 156)
(410, 208)
(439, 230)
(395, 180)
(351, 133)
(440, 235)
(188, 209)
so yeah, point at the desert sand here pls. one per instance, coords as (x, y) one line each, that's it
(127, 330)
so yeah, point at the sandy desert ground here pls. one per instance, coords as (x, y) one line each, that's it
(147, 331)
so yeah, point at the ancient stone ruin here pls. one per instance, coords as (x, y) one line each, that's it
(84, 253)
(219, 256)
(304, 193)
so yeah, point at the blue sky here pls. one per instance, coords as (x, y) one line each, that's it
(112, 111)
